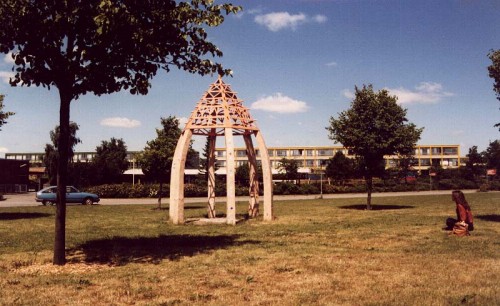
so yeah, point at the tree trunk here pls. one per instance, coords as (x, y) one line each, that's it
(159, 194)
(62, 177)
(369, 188)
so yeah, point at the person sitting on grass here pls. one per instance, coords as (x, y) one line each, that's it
(464, 222)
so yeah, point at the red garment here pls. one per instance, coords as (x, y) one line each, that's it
(464, 214)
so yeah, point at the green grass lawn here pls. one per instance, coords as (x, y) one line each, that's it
(316, 252)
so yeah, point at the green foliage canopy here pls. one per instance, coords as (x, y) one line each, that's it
(494, 73)
(374, 126)
(290, 167)
(492, 155)
(3, 115)
(340, 167)
(51, 157)
(156, 159)
(110, 161)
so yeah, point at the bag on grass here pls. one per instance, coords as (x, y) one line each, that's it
(460, 229)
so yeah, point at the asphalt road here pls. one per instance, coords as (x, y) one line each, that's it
(28, 199)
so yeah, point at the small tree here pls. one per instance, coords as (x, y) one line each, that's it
(373, 127)
(475, 163)
(102, 47)
(51, 157)
(340, 167)
(492, 156)
(156, 159)
(3, 115)
(290, 167)
(494, 73)
(110, 161)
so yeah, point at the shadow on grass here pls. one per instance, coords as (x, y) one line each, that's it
(16, 215)
(376, 207)
(492, 218)
(124, 250)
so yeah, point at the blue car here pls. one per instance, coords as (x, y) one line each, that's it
(48, 196)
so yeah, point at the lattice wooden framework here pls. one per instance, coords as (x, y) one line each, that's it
(220, 113)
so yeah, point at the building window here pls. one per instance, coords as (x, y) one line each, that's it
(296, 152)
(241, 163)
(309, 152)
(322, 162)
(221, 153)
(436, 151)
(220, 164)
(425, 162)
(325, 152)
(450, 162)
(270, 152)
(424, 151)
(241, 153)
(450, 151)
(309, 162)
(280, 152)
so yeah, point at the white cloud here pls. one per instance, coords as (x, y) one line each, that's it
(278, 103)
(320, 18)
(283, 20)
(6, 75)
(331, 64)
(8, 58)
(424, 93)
(120, 122)
(348, 94)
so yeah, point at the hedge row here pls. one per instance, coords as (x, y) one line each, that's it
(127, 190)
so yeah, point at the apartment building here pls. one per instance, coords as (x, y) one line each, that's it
(312, 159)
(36, 159)
(309, 158)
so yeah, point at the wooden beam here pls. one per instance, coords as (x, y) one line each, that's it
(253, 203)
(267, 177)
(230, 178)
(176, 210)
(211, 177)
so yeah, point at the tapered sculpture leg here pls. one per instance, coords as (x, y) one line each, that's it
(230, 178)
(211, 177)
(253, 205)
(267, 177)
(176, 210)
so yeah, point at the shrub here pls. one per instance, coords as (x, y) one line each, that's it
(309, 189)
(495, 185)
(285, 188)
(456, 183)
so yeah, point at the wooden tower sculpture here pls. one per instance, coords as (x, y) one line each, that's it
(220, 113)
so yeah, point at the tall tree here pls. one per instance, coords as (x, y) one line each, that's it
(101, 47)
(3, 115)
(51, 157)
(494, 72)
(110, 161)
(492, 156)
(156, 159)
(374, 126)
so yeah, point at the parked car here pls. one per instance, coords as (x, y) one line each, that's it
(48, 196)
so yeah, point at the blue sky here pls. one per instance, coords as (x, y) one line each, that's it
(295, 65)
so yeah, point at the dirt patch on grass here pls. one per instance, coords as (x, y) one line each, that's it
(70, 268)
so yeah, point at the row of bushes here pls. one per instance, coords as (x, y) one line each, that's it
(128, 190)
